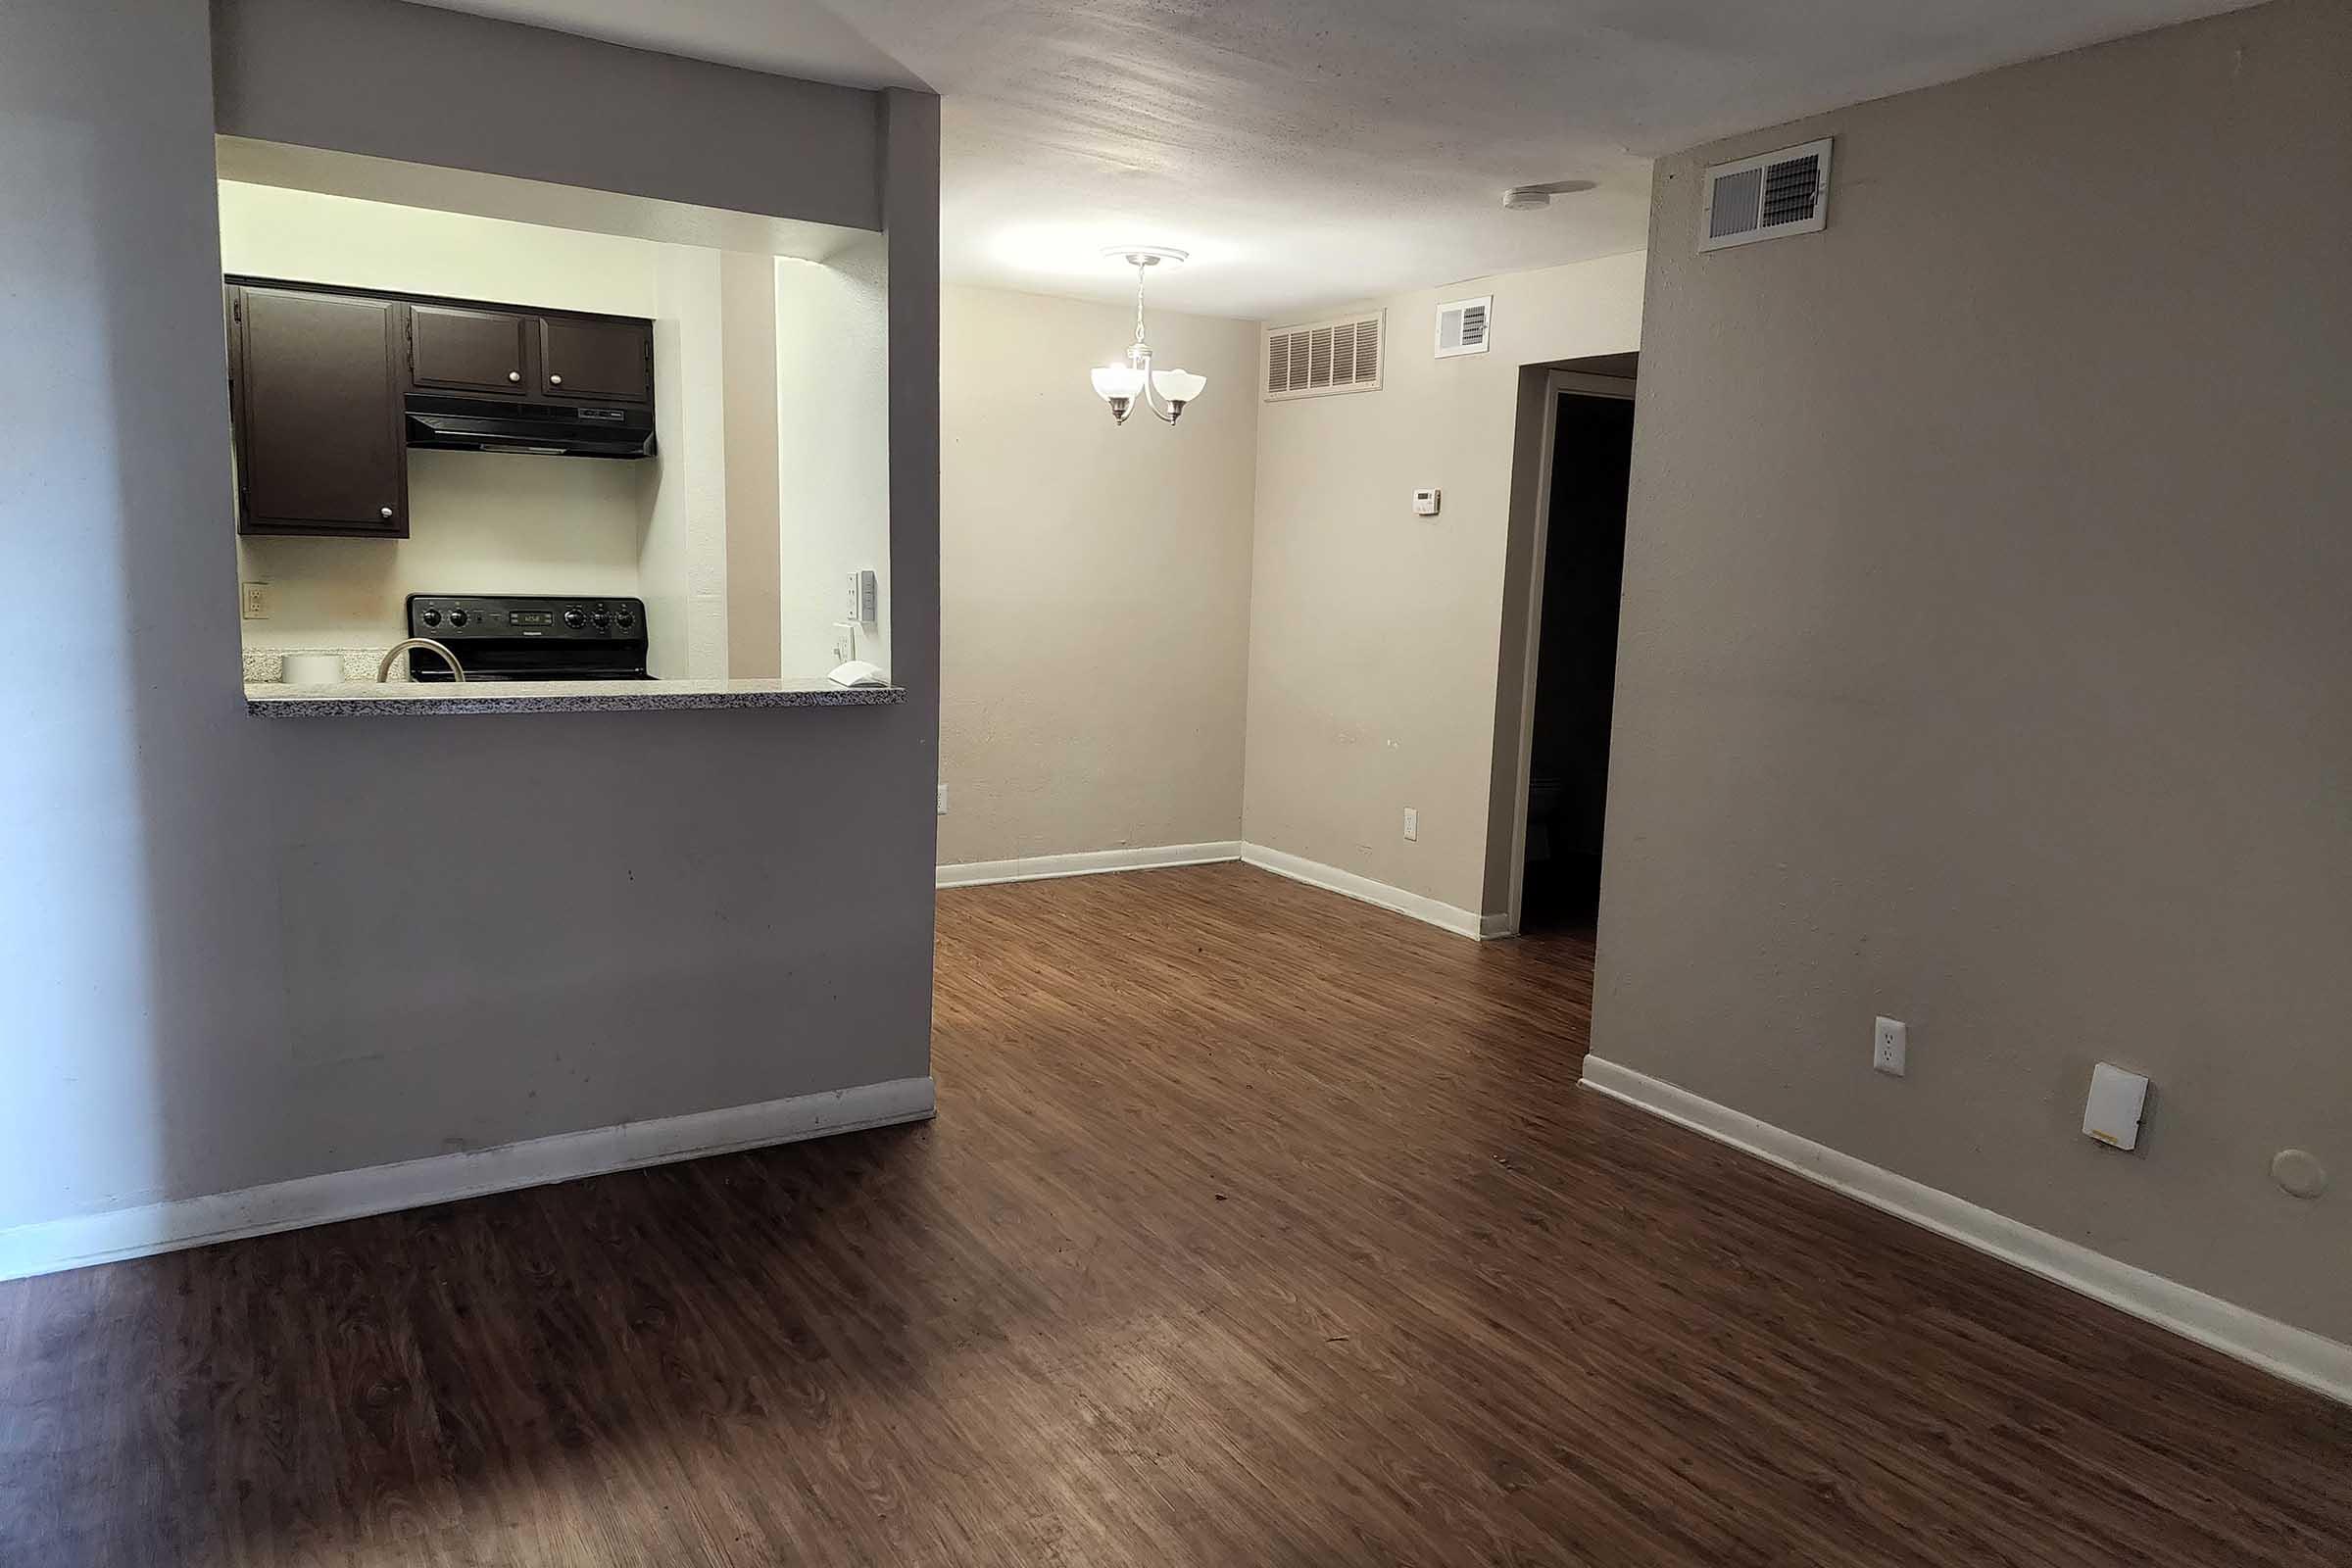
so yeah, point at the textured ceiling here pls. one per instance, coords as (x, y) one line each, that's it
(1312, 152)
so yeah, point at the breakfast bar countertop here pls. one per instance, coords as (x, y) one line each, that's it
(417, 698)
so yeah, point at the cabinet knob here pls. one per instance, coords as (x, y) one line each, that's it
(555, 380)
(385, 512)
(514, 375)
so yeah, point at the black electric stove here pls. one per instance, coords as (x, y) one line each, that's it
(529, 637)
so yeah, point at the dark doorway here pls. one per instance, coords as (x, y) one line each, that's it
(1576, 658)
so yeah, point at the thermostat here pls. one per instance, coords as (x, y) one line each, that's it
(1425, 502)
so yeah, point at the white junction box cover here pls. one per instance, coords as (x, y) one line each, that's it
(2117, 1100)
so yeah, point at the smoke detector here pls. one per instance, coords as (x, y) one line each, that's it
(1535, 198)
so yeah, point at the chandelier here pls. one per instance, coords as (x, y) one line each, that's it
(1163, 392)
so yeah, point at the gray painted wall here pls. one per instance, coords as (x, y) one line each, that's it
(241, 950)
(910, 218)
(1985, 648)
(393, 79)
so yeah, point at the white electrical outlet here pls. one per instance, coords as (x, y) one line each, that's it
(1889, 1047)
(1412, 823)
(943, 800)
(254, 597)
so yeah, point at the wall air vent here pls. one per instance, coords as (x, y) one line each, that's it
(1322, 358)
(1784, 192)
(1463, 326)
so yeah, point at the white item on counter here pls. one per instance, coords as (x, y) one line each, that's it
(857, 673)
(314, 669)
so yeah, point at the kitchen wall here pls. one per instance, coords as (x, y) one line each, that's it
(1375, 634)
(303, 234)
(1094, 596)
(1985, 645)
(755, 526)
(244, 950)
(744, 510)
(832, 454)
(479, 522)
(682, 565)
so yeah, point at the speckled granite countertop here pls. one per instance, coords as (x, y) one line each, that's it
(414, 699)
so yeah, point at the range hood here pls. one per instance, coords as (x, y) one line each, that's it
(554, 429)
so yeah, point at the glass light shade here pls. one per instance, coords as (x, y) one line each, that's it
(1177, 386)
(1113, 382)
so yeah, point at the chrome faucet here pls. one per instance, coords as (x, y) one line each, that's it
(384, 672)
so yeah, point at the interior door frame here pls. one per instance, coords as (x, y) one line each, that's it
(1557, 384)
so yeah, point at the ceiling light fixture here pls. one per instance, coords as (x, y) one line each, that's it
(1535, 198)
(1163, 392)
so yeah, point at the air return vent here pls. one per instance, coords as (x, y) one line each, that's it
(1324, 357)
(1785, 192)
(1463, 326)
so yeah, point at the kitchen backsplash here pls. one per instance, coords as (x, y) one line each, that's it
(266, 665)
(480, 522)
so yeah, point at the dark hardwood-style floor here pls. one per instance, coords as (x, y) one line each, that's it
(1258, 1227)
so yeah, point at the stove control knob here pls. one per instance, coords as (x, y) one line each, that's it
(457, 618)
(627, 621)
(602, 621)
(575, 619)
(431, 617)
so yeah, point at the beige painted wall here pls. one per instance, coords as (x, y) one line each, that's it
(1986, 649)
(1095, 583)
(1374, 634)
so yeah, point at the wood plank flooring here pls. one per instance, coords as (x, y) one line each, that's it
(1258, 1227)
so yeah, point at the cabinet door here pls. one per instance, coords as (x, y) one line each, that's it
(469, 351)
(320, 438)
(595, 362)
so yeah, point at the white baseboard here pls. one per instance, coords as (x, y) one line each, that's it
(1331, 878)
(85, 1239)
(2296, 1354)
(1428, 911)
(1085, 862)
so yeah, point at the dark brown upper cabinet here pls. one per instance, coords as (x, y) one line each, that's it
(453, 350)
(320, 378)
(315, 388)
(595, 362)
